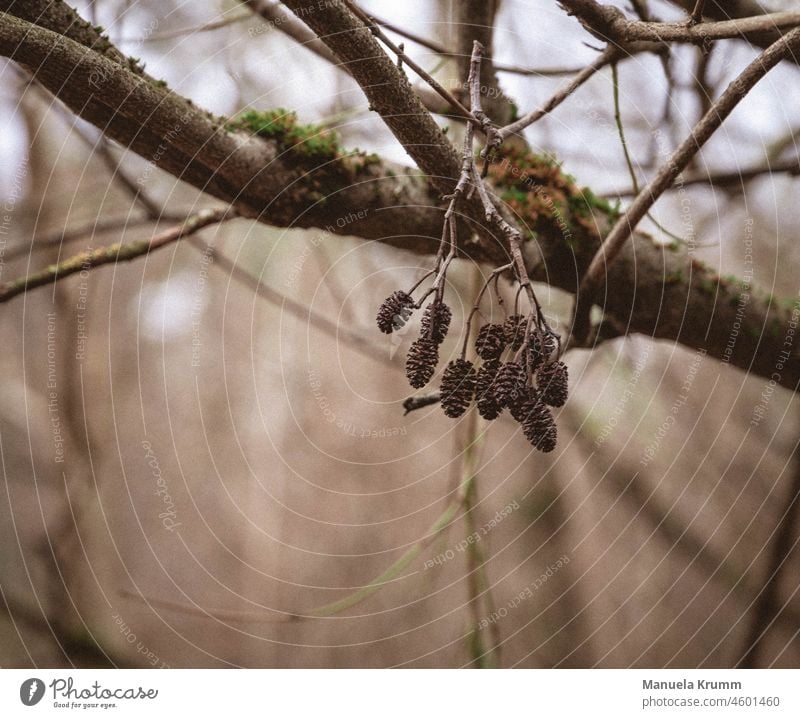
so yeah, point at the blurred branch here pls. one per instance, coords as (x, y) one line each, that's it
(79, 650)
(630, 486)
(220, 614)
(444, 521)
(723, 180)
(172, 34)
(440, 49)
(362, 344)
(702, 131)
(331, 609)
(112, 254)
(767, 606)
(71, 234)
(274, 14)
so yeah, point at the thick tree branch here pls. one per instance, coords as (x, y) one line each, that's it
(610, 24)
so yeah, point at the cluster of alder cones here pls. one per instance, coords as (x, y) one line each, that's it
(527, 382)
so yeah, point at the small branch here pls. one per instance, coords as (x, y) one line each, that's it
(680, 158)
(93, 227)
(697, 13)
(609, 55)
(420, 402)
(440, 49)
(111, 254)
(719, 180)
(609, 23)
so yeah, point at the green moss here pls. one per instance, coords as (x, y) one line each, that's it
(282, 126)
(674, 246)
(513, 194)
(676, 277)
(789, 303)
(707, 286)
(592, 201)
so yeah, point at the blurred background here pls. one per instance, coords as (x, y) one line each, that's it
(200, 444)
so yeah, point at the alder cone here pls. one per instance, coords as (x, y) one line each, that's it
(421, 361)
(519, 408)
(436, 321)
(491, 341)
(394, 311)
(487, 404)
(458, 387)
(553, 381)
(514, 328)
(539, 426)
(509, 385)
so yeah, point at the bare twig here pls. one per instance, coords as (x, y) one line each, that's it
(697, 12)
(172, 34)
(723, 180)
(609, 55)
(440, 49)
(703, 130)
(420, 402)
(67, 235)
(113, 253)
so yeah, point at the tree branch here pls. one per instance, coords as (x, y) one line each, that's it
(440, 49)
(274, 14)
(609, 55)
(680, 158)
(652, 290)
(725, 180)
(610, 24)
(111, 254)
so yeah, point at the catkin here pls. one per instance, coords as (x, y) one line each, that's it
(458, 387)
(421, 361)
(394, 312)
(491, 341)
(553, 382)
(436, 321)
